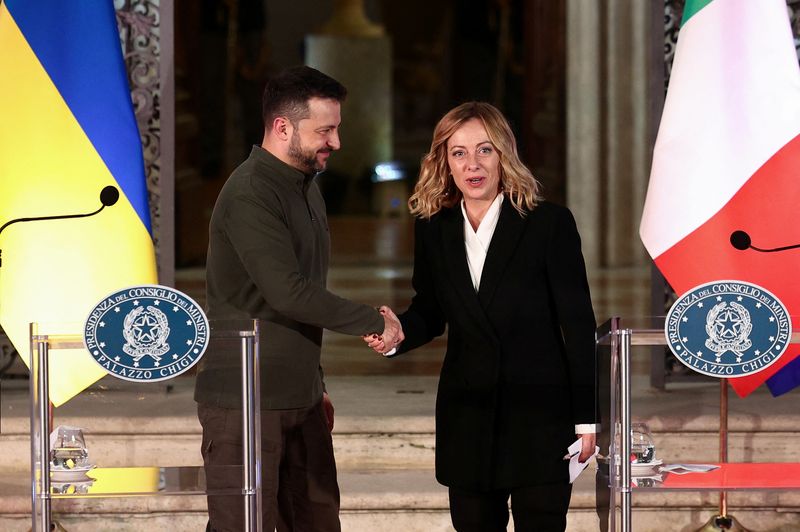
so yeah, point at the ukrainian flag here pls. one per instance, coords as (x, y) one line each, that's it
(67, 130)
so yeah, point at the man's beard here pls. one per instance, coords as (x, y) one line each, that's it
(306, 160)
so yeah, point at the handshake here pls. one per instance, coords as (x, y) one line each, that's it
(392, 333)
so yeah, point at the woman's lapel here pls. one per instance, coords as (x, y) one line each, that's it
(504, 244)
(457, 268)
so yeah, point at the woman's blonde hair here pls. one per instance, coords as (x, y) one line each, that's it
(435, 188)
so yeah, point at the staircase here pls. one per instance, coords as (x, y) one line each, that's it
(384, 448)
(383, 437)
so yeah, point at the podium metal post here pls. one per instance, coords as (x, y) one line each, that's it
(40, 446)
(625, 430)
(251, 434)
(723, 439)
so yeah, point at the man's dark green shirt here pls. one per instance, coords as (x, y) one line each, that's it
(268, 255)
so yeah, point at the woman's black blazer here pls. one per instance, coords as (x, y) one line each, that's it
(519, 371)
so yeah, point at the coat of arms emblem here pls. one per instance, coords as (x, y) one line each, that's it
(728, 328)
(146, 333)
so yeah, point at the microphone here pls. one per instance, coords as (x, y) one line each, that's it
(108, 197)
(741, 241)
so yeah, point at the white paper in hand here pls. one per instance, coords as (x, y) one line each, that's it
(575, 467)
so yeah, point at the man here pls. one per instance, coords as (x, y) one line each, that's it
(268, 259)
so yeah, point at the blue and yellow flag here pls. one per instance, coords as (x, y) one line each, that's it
(67, 130)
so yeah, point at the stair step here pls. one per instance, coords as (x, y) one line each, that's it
(384, 404)
(393, 451)
(652, 520)
(382, 422)
(408, 500)
(384, 445)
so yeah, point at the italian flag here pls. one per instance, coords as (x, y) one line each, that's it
(727, 157)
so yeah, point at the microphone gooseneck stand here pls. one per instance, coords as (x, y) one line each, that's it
(741, 241)
(108, 197)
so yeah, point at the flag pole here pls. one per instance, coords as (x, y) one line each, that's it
(723, 521)
(723, 440)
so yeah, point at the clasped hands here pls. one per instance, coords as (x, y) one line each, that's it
(392, 333)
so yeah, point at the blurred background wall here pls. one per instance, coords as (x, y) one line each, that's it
(580, 80)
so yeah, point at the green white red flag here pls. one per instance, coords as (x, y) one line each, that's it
(727, 157)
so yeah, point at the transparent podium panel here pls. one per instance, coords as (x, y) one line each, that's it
(139, 431)
(632, 461)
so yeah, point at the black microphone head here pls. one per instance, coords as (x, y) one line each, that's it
(109, 195)
(740, 240)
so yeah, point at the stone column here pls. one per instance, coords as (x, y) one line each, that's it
(585, 194)
(166, 241)
(614, 95)
(357, 53)
(146, 35)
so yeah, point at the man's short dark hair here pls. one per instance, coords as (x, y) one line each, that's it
(287, 94)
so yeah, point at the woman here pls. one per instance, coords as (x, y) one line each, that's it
(503, 270)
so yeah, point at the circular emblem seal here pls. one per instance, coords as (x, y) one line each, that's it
(146, 333)
(728, 328)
